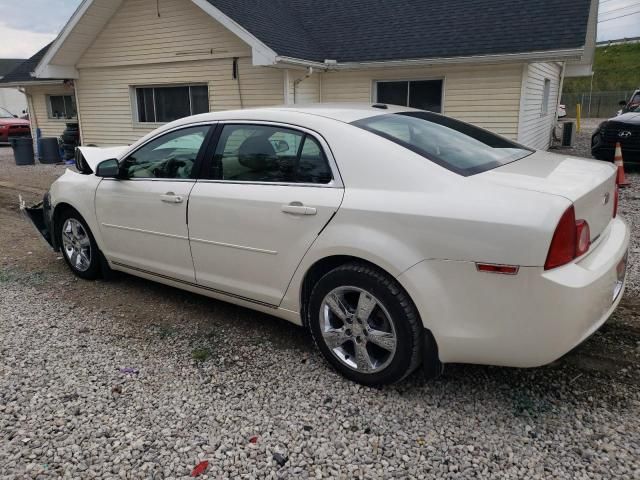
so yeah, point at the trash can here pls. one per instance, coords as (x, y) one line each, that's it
(49, 150)
(23, 150)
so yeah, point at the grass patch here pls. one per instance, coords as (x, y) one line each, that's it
(201, 354)
(616, 67)
(166, 332)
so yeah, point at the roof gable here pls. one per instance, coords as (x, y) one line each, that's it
(142, 32)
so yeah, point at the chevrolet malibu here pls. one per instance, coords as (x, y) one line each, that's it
(398, 237)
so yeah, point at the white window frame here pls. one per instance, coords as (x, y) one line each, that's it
(374, 87)
(546, 97)
(133, 96)
(50, 107)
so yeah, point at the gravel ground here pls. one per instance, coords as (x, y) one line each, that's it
(203, 384)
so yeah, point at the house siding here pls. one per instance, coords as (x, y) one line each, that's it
(487, 96)
(307, 90)
(183, 45)
(136, 35)
(105, 94)
(535, 127)
(49, 127)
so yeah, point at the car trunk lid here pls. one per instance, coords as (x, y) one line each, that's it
(588, 184)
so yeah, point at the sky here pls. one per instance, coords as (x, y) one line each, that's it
(28, 25)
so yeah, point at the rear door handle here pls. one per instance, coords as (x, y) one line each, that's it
(171, 197)
(296, 208)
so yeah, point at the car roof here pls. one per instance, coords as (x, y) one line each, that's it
(343, 112)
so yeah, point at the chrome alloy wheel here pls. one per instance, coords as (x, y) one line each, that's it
(357, 329)
(76, 244)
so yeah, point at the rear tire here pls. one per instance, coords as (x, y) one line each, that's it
(365, 325)
(79, 248)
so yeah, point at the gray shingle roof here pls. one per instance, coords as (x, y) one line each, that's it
(8, 64)
(379, 30)
(22, 73)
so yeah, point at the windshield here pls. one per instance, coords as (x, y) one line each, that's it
(5, 113)
(455, 145)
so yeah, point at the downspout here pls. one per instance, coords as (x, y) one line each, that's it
(555, 114)
(75, 94)
(33, 121)
(299, 81)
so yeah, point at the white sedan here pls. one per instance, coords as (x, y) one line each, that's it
(398, 237)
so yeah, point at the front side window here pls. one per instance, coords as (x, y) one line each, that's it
(165, 104)
(171, 156)
(457, 146)
(260, 153)
(62, 106)
(421, 94)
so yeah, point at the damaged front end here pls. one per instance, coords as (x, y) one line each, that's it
(40, 216)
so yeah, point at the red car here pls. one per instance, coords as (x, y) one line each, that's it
(11, 126)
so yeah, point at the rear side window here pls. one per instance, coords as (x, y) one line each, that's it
(455, 145)
(261, 153)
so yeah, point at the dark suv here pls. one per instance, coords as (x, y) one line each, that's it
(625, 129)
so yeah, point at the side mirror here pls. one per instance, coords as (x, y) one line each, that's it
(622, 103)
(108, 169)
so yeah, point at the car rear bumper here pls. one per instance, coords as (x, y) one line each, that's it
(524, 320)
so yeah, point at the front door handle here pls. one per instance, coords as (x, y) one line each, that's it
(171, 197)
(297, 208)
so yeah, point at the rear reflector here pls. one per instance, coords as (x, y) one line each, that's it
(503, 269)
(583, 235)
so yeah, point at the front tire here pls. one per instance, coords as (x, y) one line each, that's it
(79, 248)
(365, 325)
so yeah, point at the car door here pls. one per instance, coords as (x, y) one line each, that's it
(271, 190)
(143, 215)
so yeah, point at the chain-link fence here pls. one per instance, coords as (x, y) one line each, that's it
(596, 104)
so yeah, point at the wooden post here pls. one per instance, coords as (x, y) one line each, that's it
(578, 115)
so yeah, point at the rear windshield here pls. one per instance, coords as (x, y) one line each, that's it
(455, 145)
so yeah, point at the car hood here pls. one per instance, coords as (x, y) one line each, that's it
(632, 118)
(588, 184)
(94, 155)
(13, 121)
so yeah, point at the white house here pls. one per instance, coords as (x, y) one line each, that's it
(122, 67)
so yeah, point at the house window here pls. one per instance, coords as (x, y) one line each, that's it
(165, 104)
(61, 106)
(422, 94)
(545, 96)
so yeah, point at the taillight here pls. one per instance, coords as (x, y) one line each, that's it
(570, 240)
(616, 196)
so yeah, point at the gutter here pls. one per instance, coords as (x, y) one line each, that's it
(540, 56)
(25, 84)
